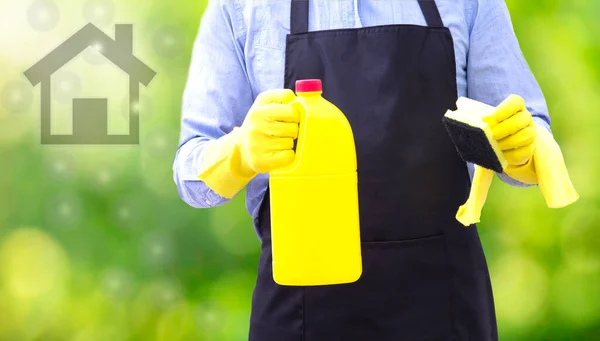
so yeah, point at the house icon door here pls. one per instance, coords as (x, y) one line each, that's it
(90, 115)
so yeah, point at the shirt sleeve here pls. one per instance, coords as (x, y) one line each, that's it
(496, 67)
(216, 98)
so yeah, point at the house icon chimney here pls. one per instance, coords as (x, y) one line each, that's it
(90, 115)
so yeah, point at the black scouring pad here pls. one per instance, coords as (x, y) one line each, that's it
(470, 132)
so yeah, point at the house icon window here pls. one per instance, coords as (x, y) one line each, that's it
(90, 115)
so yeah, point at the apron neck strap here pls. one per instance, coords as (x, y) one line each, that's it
(299, 15)
(431, 13)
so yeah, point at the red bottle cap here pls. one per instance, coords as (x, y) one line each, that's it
(309, 85)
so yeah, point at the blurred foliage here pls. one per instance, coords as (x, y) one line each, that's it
(96, 245)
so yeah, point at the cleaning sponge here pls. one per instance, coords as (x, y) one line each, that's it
(470, 130)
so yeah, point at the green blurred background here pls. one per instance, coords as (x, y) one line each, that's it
(95, 243)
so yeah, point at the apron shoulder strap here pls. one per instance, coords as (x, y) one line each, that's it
(431, 13)
(299, 15)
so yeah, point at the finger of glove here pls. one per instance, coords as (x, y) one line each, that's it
(512, 125)
(281, 129)
(274, 160)
(277, 144)
(519, 156)
(522, 138)
(279, 96)
(282, 158)
(509, 107)
(280, 113)
(261, 146)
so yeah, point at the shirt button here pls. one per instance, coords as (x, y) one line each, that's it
(208, 202)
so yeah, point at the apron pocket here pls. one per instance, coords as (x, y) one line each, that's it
(403, 294)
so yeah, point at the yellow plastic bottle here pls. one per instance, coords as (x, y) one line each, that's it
(315, 230)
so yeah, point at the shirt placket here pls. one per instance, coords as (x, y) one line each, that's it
(348, 13)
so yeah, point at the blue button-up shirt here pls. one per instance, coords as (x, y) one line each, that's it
(240, 50)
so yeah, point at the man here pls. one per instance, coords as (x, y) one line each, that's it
(394, 68)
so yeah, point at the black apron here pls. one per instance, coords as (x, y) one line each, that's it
(424, 275)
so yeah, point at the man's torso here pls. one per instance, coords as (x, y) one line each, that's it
(261, 27)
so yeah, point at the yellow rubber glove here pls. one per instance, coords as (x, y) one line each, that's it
(552, 175)
(528, 148)
(264, 142)
(516, 134)
(470, 212)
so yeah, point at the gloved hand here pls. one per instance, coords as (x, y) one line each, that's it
(264, 142)
(266, 138)
(533, 156)
(516, 134)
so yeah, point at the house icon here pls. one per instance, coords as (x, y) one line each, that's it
(90, 115)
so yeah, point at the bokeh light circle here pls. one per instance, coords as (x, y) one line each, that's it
(64, 211)
(96, 163)
(17, 96)
(117, 284)
(93, 55)
(520, 289)
(66, 85)
(142, 108)
(103, 179)
(177, 323)
(159, 143)
(32, 264)
(125, 213)
(169, 41)
(233, 228)
(152, 300)
(576, 296)
(130, 213)
(157, 149)
(59, 166)
(166, 293)
(17, 118)
(210, 316)
(157, 250)
(580, 237)
(43, 15)
(99, 12)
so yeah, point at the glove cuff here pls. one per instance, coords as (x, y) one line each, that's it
(222, 168)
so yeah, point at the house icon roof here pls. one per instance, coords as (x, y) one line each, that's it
(118, 51)
(90, 114)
